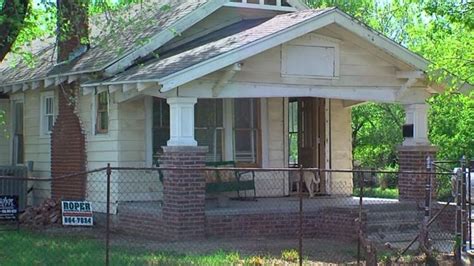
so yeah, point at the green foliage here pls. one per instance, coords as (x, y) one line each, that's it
(378, 192)
(452, 125)
(376, 132)
(388, 180)
(290, 255)
(442, 32)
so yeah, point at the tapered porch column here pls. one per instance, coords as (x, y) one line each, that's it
(181, 121)
(183, 190)
(414, 152)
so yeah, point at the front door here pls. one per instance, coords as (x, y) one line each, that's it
(307, 133)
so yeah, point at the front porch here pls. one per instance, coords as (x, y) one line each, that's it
(330, 217)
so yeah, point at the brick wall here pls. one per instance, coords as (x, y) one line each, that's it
(183, 193)
(140, 223)
(329, 223)
(68, 152)
(333, 223)
(413, 158)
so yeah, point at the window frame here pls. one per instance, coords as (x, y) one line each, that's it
(258, 132)
(97, 120)
(227, 131)
(44, 117)
(19, 98)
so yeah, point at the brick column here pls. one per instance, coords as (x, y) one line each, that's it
(183, 192)
(413, 158)
(68, 148)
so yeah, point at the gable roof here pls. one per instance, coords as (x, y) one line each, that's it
(116, 53)
(184, 67)
(117, 50)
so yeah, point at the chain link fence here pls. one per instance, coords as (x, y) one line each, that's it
(225, 215)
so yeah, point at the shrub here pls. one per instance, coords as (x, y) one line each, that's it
(290, 255)
(388, 180)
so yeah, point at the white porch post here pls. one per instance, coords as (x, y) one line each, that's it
(181, 121)
(414, 153)
(417, 115)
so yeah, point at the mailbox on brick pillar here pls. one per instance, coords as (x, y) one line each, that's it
(183, 190)
(414, 152)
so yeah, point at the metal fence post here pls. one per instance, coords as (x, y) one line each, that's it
(300, 246)
(361, 200)
(458, 221)
(107, 226)
(469, 205)
(463, 204)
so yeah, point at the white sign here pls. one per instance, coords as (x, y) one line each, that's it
(77, 213)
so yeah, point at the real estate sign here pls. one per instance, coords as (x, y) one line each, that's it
(77, 213)
(8, 207)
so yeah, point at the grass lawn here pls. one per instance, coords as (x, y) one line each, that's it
(377, 192)
(28, 248)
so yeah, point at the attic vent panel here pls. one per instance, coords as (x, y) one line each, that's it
(280, 5)
(309, 61)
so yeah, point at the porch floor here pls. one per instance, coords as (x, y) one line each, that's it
(265, 205)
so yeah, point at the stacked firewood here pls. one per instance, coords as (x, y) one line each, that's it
(47, 213)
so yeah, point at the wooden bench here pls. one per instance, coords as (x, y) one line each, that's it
(218, 184)
(221, 181)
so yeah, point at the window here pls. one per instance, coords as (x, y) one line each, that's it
(246, 131)
(293, 132)
(102, 118)
(161, 125)
(18, 147)
(47, 113)
(209, 129)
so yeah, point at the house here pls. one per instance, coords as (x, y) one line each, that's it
(263, 83)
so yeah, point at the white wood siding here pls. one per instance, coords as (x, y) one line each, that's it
(341, 147)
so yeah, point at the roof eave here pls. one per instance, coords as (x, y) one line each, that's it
(164, 36)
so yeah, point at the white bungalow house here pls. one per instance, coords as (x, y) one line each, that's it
(262, 83)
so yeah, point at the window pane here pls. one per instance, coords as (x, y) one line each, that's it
(246, 146)
(104, 121)
(102, 112)
(50, 121)
(213, 139)
(246, 130)
(160, 137)
(161, 125)
(245, 113)
(48, 105)
(19, 118)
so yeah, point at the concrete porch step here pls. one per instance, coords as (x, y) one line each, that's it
(408, 236)
(444, 246)
(376, 216)
(392, 226)
(392, 207)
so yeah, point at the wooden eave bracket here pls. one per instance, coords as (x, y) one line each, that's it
(228, 74)
(412, 77)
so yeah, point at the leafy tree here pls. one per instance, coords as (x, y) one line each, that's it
(12, 20)
(442, 32)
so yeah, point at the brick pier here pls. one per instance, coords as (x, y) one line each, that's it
(413, 158)
(183, 193)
